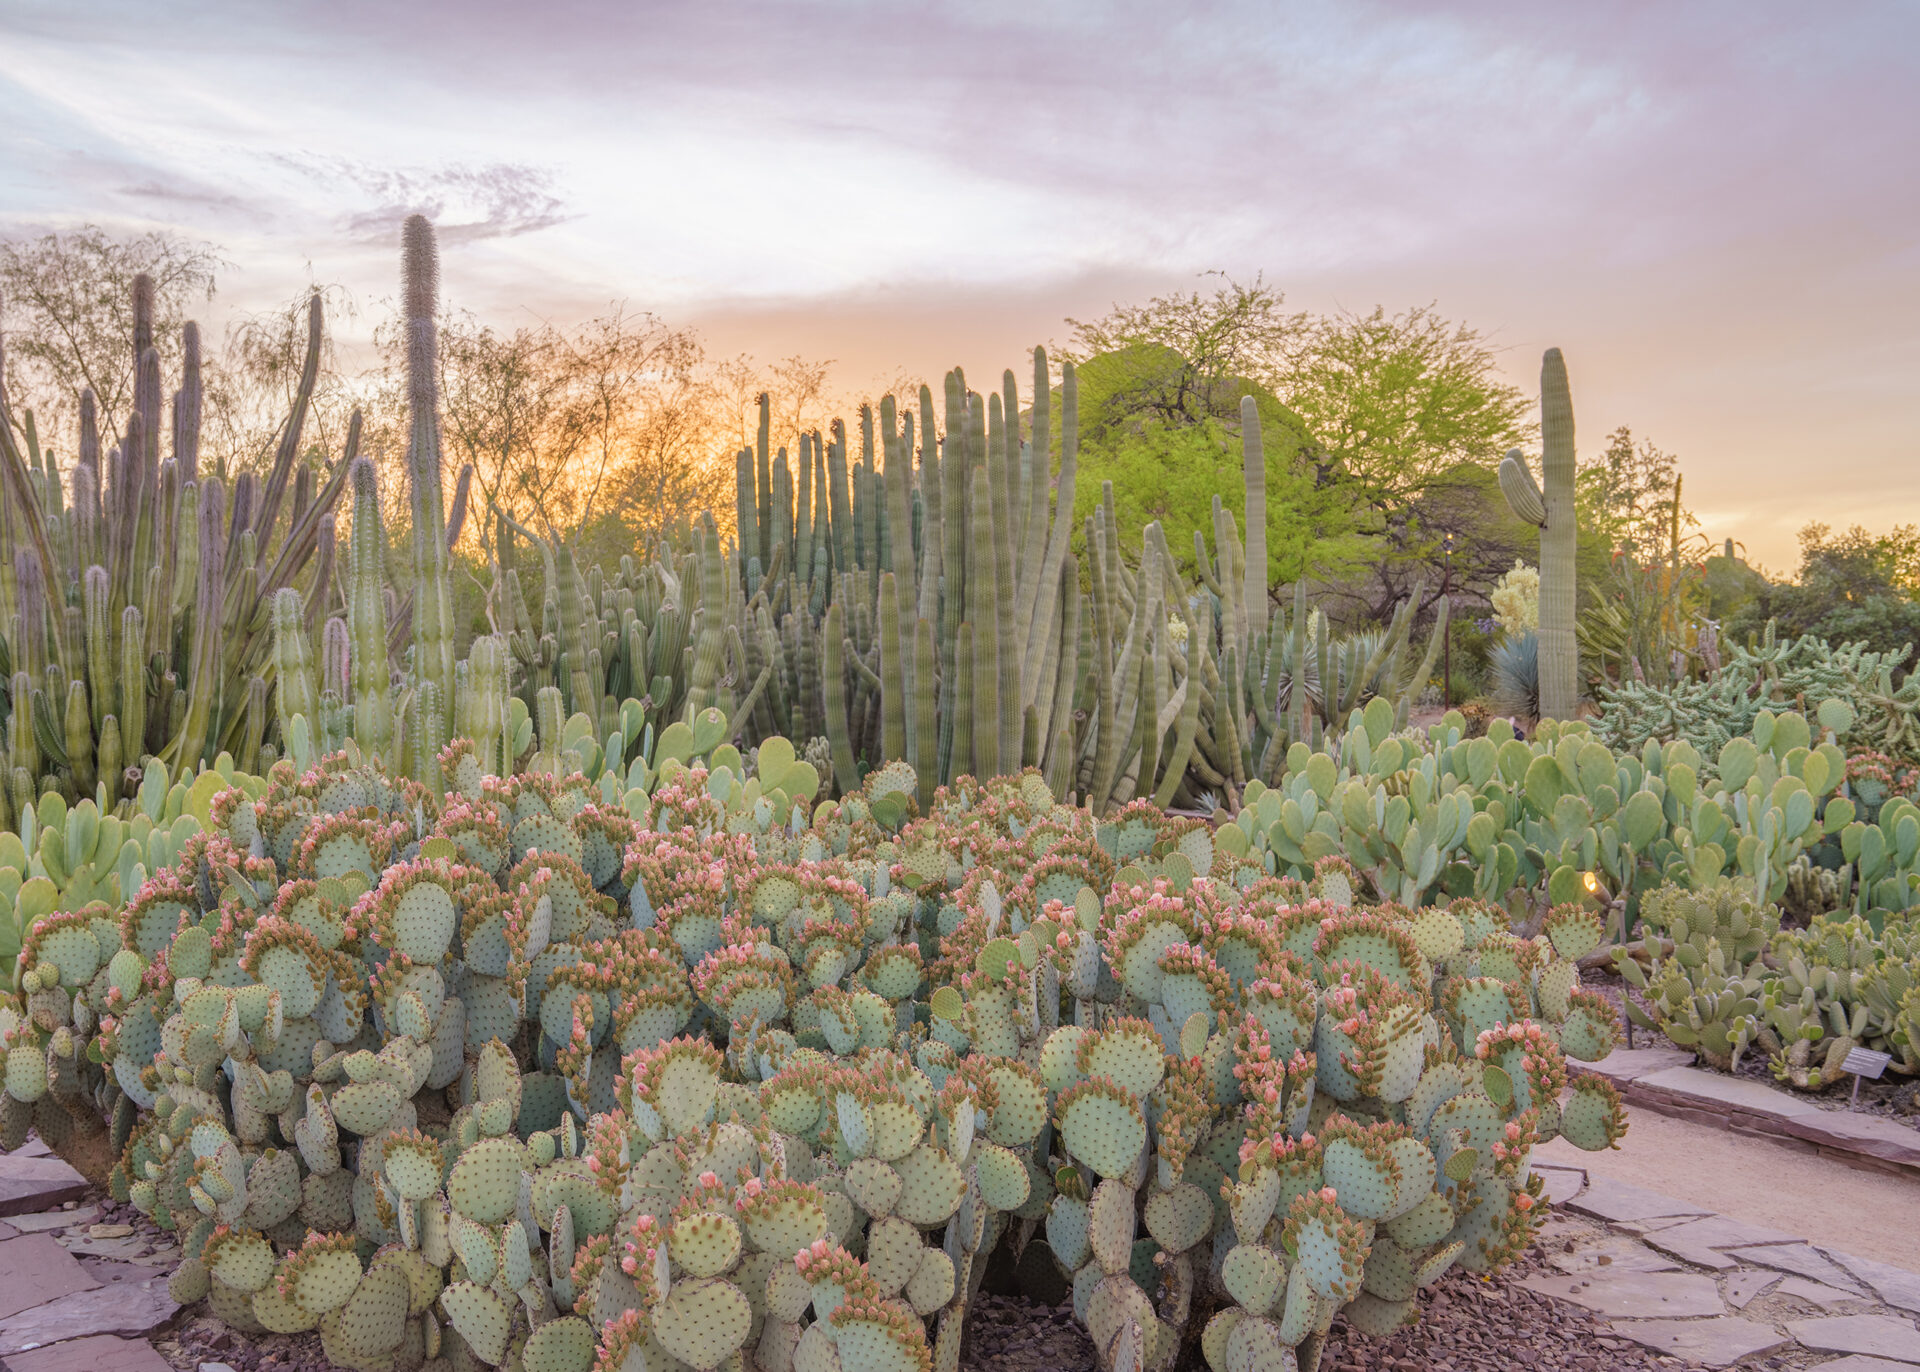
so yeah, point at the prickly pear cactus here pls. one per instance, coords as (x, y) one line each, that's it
(530, 1073)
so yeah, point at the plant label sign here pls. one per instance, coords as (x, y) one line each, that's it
(1864, 1062)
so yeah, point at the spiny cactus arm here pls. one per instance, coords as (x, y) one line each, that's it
(1522, 493)
(1559, 542)
(208, 627)
(982, 613)
(763, 489)
(1412, 688)
(1106, 744)
(893, 671)
(432, 588)
(367, 616)
(925, 745)
(839, 511)
(898, 480)
(1253, 458)
(931, 488)
(1033, 520)
(17, 485)
(289, 446)
(1059, 650)
(295, 691)
(833, 690)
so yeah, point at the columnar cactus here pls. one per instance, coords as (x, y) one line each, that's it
(1549, 505)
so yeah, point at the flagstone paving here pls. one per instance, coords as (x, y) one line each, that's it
(1621, 1252)
(81, 1292)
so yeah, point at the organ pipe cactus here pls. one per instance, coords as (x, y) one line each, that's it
(1549, 505)
(182, 568)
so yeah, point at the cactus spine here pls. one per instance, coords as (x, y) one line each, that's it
(1553, 511)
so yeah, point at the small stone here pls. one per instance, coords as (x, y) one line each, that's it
(109, 1231)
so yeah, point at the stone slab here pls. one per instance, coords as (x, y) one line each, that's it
(34, 1269)
(1724, 1093)
(1623, 1065)
(1872, 1135)
(28, 1184)
(1858, 1362)
(1816, 1292)
(34, 1147)
(1718, 1342)
(1894, 1285)
(1626, 1294)
(1618, 1254)
(102, 1353)
(1562, 1183)
(1607, 1199)
(1698, 1241)
(7, 1231)
(1748, 1284)
(119, 1250)
(1798, 1258)
(1882, 1336)
(128, 1309)
(46, 1221)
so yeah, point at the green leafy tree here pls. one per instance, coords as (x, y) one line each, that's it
(1628, 498)
(1400, 400)
(1855, 585)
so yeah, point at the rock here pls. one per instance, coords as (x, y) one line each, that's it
(102, 1353)
(1607, 1199)
(109, 1231)
(129, 1309)
(1894, 1285)
(45, 1221)
(1799, 1259)
(1880, 1335)
(1699, 1242)
(29, 1183)
(1816, 1293)
(1718, 1342)
(1621, 1294)
(34, 1269)
(1747, 1284)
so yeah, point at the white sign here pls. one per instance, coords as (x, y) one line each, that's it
(1864, 1062)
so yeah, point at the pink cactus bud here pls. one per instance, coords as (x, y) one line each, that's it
(1513, 1129)
(708, 1179)
(628, 1265)
(1329, 1195)
(593, 1164)
(1523, 1202)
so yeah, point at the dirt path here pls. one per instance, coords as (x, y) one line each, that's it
(1869, 1214)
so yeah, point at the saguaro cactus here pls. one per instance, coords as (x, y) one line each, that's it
(1553, 513)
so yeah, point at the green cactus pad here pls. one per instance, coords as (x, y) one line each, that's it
(1102, 1126)
(562, 1345)
(930, 1287)
(1179, 1218)
(1003, 1176)
(480, 1317)
(702, 1322)
(485, 1182)
(931, 1186)
(1068, 1228)
(873, 1185)
(372, 1323)
(1254, 1277)
(278, 1315)
(704, 1243)
(1110, 1226)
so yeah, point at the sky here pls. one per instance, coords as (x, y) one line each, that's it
(1711, 208)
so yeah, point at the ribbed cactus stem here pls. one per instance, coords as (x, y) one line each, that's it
(1253, 458)
(367, 616)
(429, 736)
(208, 628)
(79, 737)
(486, 701)
(132, 701)
(432, 586)
(97, 599)
(1553, 510)
(295, 692)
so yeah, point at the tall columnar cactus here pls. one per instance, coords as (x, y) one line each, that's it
(432, 584)
(367, 617)
(1553, 511)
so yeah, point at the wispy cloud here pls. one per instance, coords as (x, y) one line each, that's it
(1709, 206)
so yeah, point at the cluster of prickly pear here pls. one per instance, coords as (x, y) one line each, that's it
(537, 1073)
